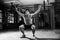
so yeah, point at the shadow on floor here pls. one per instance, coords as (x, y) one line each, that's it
(41, 38)
(8, 30)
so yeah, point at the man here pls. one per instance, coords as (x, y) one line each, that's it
(28, 20)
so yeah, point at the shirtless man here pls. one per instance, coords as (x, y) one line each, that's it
(28, 20)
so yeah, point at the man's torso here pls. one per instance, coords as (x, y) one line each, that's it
(27, 19)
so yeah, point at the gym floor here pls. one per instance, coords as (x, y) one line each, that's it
(40, 34)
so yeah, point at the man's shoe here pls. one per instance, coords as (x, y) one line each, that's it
(23, 36)
(33, 35)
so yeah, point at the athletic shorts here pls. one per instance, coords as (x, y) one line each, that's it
(27, 26)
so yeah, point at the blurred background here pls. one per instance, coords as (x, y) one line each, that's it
(47, 21)
(47, 18)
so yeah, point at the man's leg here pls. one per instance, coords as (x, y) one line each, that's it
(33, 29)
(21, 28)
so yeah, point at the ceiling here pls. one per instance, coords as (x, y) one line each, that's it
(22, 2)
(26, 2)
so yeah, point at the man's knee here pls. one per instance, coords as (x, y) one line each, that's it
(33, 27)
(21, 27)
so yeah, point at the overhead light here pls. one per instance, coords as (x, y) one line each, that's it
(10, 2)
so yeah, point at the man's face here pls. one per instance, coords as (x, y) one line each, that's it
(27, 12)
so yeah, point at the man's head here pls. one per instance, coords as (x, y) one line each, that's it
(27, 11)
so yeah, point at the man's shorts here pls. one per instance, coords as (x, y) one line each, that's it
(31, 26)
(27, 26)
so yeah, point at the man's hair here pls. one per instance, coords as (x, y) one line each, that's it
(26, 10)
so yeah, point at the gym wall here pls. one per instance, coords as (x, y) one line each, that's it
(57, 14)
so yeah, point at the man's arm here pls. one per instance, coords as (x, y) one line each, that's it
(19, 12)
(39, 7)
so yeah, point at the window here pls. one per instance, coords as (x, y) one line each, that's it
(0, 16)
(10, 18)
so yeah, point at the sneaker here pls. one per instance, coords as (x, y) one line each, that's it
(33, 35)
(23, 36)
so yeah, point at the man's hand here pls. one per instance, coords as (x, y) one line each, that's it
(21, 14)
(39, 8)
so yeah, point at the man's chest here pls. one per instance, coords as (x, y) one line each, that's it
(27, 16)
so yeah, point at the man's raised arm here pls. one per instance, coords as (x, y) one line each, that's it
(39, 8)
(19, 12)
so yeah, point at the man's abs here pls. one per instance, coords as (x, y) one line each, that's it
(28, 21)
